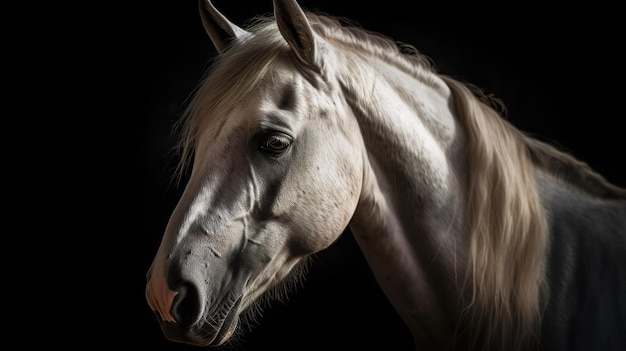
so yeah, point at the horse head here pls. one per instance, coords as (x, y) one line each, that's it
(276, 177)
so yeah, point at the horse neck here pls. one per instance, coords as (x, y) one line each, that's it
(409, 216)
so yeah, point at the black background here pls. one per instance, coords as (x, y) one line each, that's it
(558, 71)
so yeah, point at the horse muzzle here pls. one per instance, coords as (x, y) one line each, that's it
(187, 313)
(211, 330)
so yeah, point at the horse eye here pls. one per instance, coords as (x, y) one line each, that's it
(275, 143)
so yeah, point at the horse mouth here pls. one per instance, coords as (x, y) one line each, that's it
(227, 327)
(211, 332)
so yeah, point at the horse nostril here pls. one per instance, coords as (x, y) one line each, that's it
(186, 305)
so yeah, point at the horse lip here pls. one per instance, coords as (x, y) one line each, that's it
(227, 325)
(221, 330)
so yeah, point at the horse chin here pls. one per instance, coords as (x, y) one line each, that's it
(205, 333)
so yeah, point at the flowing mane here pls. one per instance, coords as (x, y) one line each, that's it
(504, 286)
(506, 258)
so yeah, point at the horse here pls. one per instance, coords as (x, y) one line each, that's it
(480, 236)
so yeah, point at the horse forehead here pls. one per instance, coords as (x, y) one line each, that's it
(287, 88)
(284, 96)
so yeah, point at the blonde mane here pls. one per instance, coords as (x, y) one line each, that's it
(507, 223)
(507, 226)
(507, 229)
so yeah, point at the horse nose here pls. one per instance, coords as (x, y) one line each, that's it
(186, 305)
(173, 296)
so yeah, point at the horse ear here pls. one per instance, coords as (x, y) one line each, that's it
(217, 26)
(295, 29)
